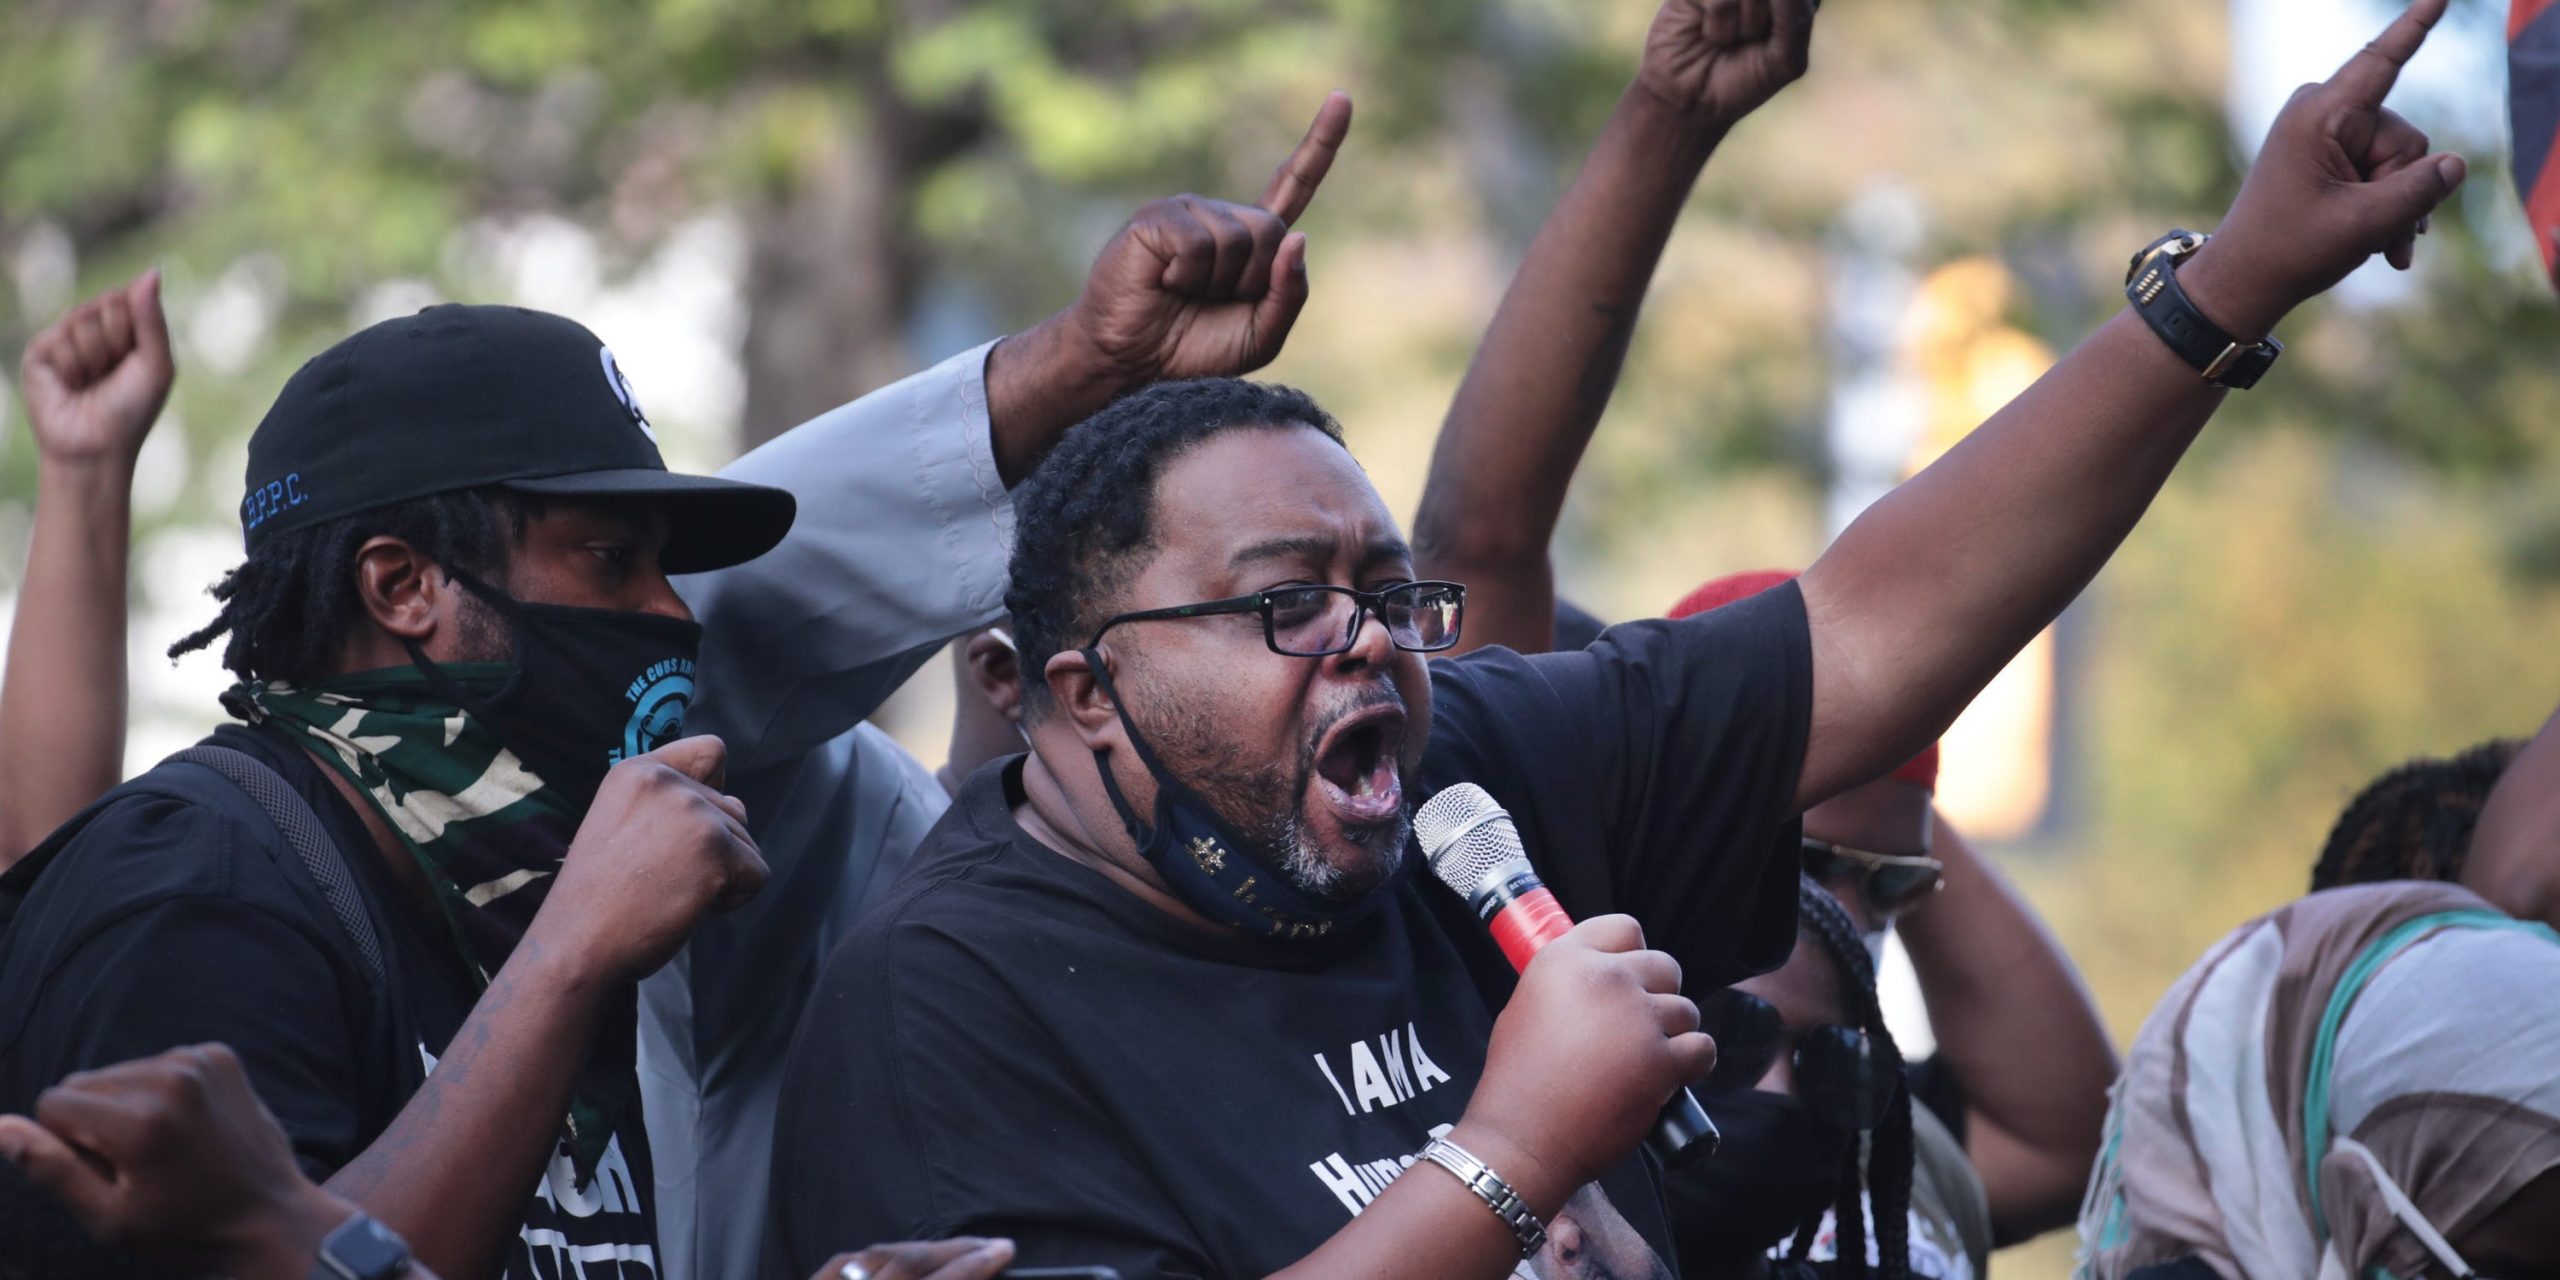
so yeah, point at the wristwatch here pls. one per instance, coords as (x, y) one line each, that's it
(2151, 284)
(361, 1249)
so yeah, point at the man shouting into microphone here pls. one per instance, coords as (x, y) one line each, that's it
(1166, 994)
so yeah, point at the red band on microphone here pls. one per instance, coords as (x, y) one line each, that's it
(1530, 920)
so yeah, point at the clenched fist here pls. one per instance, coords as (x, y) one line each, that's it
(1595, 1039)
(660, 848)
(2339, 180)
(96, 379)
(174, 1158)
(1717, 60)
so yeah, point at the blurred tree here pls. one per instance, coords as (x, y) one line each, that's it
(350, 140)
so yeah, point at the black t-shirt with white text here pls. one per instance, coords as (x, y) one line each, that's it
(169, 918)
(1013, 1045)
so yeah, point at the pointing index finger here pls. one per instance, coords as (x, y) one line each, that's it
(1293, 184)
(2368, 76)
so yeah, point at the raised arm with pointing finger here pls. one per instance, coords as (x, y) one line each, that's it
(1925, 596)
(94, 384)
(1544, 372)
(905, 520)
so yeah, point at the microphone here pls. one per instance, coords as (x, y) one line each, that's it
(1475, 849)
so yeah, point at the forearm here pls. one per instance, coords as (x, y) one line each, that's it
(2021, 1034)
(456, 1168)
(1925, 596)
(1428, 1225)
(1040, 382)
(1544, 372)
(2512, 862)
(62, 706)
(900, 543)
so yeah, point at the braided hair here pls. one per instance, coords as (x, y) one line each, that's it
(1885, 1174)
(2414, 822)
(292, 603)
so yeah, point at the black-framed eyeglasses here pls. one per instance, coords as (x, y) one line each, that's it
(1314, 621)
(1890, 883)
(1838, 1076)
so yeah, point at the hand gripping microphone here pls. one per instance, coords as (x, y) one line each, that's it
(1475, 849)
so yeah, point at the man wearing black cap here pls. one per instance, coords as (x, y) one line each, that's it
(415, 888)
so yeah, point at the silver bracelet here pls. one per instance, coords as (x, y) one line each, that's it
(1497, 1194)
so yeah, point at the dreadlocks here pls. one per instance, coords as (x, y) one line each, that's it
(2415, 822)
(289, 607)
(1886, 1173)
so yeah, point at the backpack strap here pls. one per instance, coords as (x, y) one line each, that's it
(309, 840)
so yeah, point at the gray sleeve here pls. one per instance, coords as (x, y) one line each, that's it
(901, 543)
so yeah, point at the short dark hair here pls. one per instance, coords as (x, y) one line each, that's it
(2415, 822)
(289, 606)
(1084, 519)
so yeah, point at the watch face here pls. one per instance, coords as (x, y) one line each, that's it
(367, 1250)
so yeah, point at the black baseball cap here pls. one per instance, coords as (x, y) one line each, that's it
(467, 397)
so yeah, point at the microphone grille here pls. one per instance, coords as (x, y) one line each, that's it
(1466, 833)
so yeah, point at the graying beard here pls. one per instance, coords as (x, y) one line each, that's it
(1309, 873)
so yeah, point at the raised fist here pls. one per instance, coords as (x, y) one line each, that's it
(95, 381)
(1201, 288)
(1717, 60)
(2339, 180)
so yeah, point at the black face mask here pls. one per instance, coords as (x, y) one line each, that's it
(1204, 858)
(589, 687)
(1777, 1169)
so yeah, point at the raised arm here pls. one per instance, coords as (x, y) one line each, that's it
(94, 384)
(2514, 860)
(1543, 374)
(2020, 1033)
(905, 526)
(1924, 598)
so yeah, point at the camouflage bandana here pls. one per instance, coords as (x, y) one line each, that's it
(489, 834)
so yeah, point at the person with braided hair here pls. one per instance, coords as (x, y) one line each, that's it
(1815, 1175)
(2416, 821)
(2482, 819)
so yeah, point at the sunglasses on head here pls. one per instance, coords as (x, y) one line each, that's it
(1889, 883)
(1837, 1074)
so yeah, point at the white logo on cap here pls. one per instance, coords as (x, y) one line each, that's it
(622, 391)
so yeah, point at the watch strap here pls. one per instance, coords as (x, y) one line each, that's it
(2153, 289)
(361, 1249)
(1497, 1194)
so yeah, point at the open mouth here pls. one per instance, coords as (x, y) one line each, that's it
(1357, 764)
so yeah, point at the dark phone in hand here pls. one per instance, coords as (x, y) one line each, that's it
(1062, 1273)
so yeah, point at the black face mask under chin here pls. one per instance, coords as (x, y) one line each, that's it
(1205, 859)
(1777, 1169)
(589, 687)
